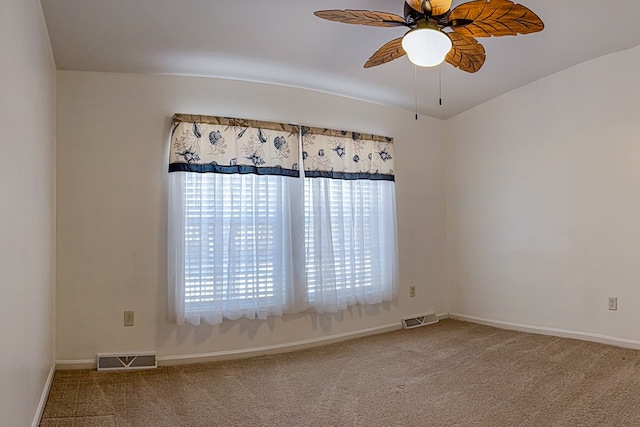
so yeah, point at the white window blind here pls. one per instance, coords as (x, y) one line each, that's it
(237, 251)
(229, 240)
(350, 246)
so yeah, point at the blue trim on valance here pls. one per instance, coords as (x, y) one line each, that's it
(349, 175)
(241, 169)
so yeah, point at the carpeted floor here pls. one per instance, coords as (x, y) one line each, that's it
(448, 374)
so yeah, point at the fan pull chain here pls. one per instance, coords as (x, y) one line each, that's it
(415, 87)
(440, 82)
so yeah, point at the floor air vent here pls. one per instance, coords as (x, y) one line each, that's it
(124, 362)
(419, 320)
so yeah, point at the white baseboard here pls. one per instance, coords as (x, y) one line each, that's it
(43, 397)
(316, 342)
(184, 359)
(442, 316)
(67, 365)
(273, 349)
(542, 330)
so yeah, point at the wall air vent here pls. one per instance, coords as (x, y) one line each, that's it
(419, 320)
(126, 362)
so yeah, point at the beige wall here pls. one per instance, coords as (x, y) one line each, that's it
(541, 207)
(112, 203)
(543, 203)
(27, 222)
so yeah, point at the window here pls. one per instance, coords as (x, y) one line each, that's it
(236, 253)
(349, 240)
(251, 236)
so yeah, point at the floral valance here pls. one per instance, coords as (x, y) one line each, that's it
(227, 145)
(346, 155)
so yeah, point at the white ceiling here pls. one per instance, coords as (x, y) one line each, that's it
(282, 42)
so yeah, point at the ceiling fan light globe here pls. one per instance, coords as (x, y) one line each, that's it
(426, 47)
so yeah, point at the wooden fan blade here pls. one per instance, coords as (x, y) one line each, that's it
(495, 18)
(387, 53)
(417, 5)
(362, 17)
(430, 7)
(440, 7)
(466, 53)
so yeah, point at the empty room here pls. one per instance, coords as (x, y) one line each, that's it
(337, 213)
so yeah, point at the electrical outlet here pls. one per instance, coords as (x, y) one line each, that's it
(412, 291)
(128, 317)
(613, 303)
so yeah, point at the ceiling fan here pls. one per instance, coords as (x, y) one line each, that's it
(427, 44)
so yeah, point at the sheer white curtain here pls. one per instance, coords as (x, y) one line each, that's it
(351, 248)
(235, 209)
(351, 251)
(231, 246)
